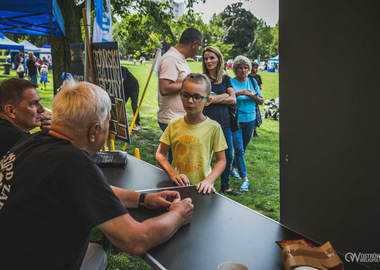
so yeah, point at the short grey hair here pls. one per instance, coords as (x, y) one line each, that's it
(241, 60)
(79, 105)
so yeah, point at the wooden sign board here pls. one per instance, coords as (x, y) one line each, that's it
(108, 76)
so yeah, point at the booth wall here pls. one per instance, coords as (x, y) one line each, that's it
(329, 127)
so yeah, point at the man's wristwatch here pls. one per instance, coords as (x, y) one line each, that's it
(142, 199)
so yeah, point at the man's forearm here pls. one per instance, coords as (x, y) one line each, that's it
(162, 228)
(128, 198)
(136, 238)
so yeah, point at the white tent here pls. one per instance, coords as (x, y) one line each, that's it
(29, 47)
(46, 52)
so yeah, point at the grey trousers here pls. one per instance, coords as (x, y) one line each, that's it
(95, 258)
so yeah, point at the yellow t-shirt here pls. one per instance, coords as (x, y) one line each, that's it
(193, 146)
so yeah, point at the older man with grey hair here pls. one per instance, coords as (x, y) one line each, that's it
(53, 194)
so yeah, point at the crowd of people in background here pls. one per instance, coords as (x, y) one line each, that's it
(35, 68)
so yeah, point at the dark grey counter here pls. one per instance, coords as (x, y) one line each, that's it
(221, 230)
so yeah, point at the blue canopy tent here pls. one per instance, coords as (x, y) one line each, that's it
(7, 44)
(272, 63)
(37, 17)
(275, 59)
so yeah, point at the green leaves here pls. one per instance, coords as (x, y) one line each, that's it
(240, 25)
(266, 43)
(146, 24)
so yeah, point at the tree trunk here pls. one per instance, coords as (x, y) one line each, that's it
(72, 15)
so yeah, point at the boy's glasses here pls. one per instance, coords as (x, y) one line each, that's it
(196, 98)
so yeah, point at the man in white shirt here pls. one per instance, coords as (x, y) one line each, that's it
(172, 70)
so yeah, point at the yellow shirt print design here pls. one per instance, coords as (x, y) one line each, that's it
(189, 149)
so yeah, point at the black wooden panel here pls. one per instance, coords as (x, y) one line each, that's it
(329, 129)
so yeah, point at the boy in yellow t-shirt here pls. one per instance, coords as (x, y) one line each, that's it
(193, 138)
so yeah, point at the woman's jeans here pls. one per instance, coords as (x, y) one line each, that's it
(225, 177)
(170, 154)
(241, 139)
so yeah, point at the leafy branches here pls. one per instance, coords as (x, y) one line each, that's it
(240, 25)
(266, 42)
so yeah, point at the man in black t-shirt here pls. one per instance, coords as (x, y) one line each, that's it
(53, 194)
(32, 68)
(20, 112)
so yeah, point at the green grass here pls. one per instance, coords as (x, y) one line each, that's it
(262, 155)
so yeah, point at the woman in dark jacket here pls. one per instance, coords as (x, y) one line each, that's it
(222, 95)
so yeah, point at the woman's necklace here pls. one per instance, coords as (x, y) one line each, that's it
(240, 79)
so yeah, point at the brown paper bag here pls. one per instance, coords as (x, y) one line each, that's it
(323, 257)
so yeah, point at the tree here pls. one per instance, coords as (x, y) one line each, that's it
(72, 15)
(131, 41)
(136, 32)
(215, 33)
(38, 41)
(214, 29)
(187, 20)
(260, 47)
(145, 20)
(275, 44)
(266, 42)
(240, 25)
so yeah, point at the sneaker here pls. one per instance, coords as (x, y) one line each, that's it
(255, 134)
(231, 192)
(234, 173)
(244, 185)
